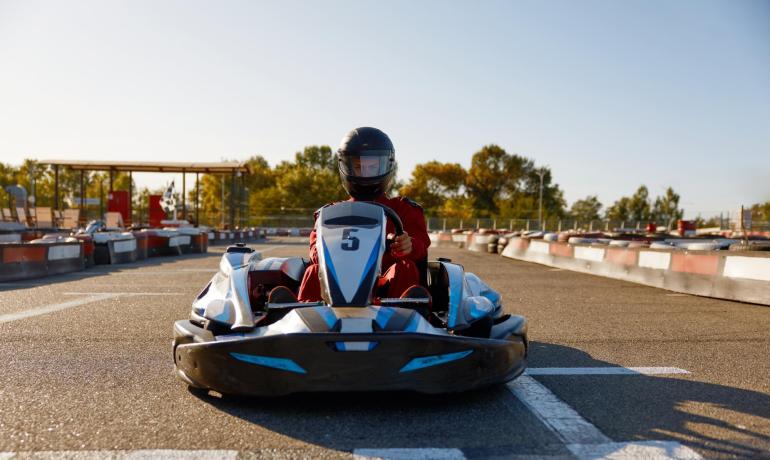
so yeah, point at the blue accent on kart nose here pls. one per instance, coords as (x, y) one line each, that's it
(283, 364)
(434, 360)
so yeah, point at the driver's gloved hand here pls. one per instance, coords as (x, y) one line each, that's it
(401, 245)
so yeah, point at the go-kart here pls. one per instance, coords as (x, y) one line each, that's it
(237, 341)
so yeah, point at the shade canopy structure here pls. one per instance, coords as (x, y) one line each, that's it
(148, 166)
(234, 168)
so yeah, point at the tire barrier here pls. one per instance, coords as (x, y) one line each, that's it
(10, 238)
(89, 248)
(225, 237)
(19, 261)
(483, 241)
(199, 243)
(114, 248)
(162, 243)
(23, 257)
(743, 277)
(443, 240)
(142, 251)
(65, 258)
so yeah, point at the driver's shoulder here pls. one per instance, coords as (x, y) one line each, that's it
(408, 201)
(317, 211)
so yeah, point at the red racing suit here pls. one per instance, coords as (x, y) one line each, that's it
(397, 274)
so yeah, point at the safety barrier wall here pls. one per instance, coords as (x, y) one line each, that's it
(23, 261)
(447, 239)
(743, 276)
(119, 251)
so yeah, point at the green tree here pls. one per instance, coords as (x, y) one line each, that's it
(761, 212)
(620, 210)
(433, 183)
(494, 174)
(586, 209)
(316, 157)
(666, 208)
(554, 204)
(639, 205)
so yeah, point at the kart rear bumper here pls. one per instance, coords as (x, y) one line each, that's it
(321, 362)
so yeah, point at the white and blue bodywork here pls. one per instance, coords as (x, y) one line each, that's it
(351, 340)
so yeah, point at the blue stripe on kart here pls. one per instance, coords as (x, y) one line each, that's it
(283, 364)
(434, 360)
(372, 260)
(383, 316)
(329, 263)
(328, 316)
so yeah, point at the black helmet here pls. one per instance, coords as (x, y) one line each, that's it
(367, 163)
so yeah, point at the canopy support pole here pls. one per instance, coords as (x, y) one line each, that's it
(130, 199)
(56, 187)
(197, 198)
(184, 196)
(82, 219)
(232, 199)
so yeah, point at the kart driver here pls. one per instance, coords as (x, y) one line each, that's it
(367, 164)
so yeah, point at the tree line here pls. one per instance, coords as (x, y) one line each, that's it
(497, 184)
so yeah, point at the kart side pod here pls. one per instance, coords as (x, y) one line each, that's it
(472, 305)
(226, 298)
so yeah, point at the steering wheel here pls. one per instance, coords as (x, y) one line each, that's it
(391, 214)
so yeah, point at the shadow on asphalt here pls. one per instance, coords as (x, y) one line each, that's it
(648, 407)
(625, 408)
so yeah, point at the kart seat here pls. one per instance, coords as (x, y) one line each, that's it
(416, 297)
(438, 285)
(281, 294)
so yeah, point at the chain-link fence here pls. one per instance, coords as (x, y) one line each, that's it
(305, 220)
(440, 223)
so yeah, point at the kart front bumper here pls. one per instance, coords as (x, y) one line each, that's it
(329, 362)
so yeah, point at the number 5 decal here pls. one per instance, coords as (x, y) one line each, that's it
(349, 242)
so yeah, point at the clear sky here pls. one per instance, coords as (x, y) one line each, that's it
(609, 94)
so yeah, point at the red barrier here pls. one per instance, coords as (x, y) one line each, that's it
(701, 264)
(564, 250)
(621, 256)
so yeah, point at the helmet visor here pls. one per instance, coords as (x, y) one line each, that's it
(371, 163)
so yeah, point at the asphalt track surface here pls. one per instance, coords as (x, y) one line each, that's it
(87, 370)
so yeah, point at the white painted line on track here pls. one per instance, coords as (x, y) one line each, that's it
(555, 414)
(173, 271)
(604, 371)
(149, 454)
(408, 454)
(634, 450)
(582, 437)
(55, 307)
(129, 294)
